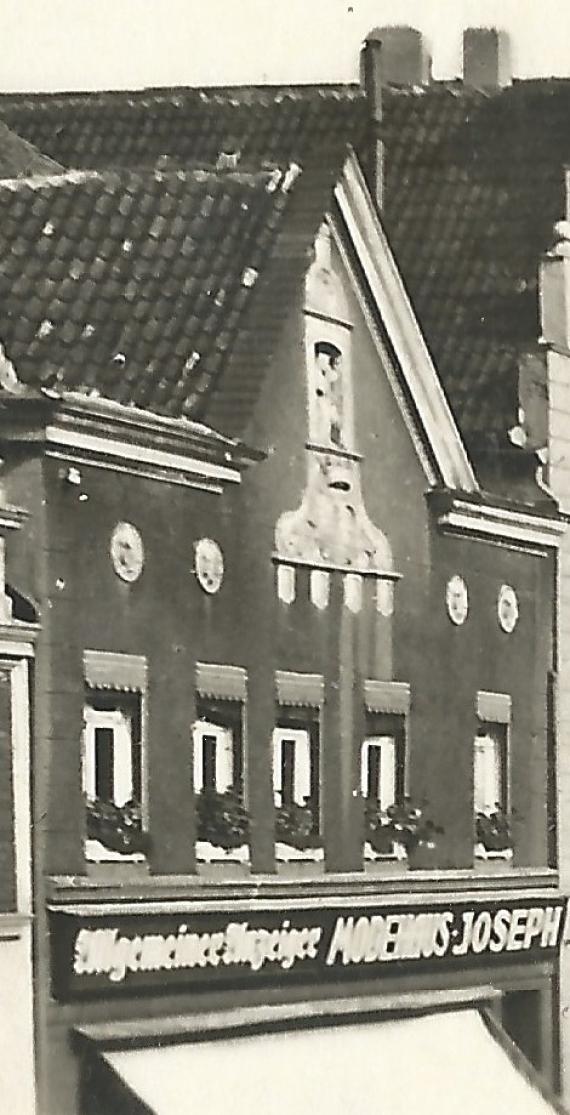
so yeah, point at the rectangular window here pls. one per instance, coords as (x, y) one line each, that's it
(15, 852)
(296, 763)
(491, 797)
(217, 743)
(221, 816)
(382, 763)
(490, 768)
(113, 773)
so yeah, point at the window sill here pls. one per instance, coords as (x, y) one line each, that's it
(12, 925)
(207, 853)
(505, 855)
(397, 854)
(95, 852)
(287, 853)
(234, 881)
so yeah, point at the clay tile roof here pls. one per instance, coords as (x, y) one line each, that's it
(141, 303)
(275, 124)
(18, 158)
(474, 184)
(154, 274)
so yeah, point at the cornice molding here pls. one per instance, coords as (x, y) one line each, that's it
(515, 525)
(94, 431)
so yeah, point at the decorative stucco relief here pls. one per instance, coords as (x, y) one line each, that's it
(331, 527)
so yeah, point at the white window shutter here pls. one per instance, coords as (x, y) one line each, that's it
(122, 759)
(364, 768)
(89, 755)
(302, 783)
(224, 760)
(487, 774)
(277, 772)
(387, 772)
(198, 764)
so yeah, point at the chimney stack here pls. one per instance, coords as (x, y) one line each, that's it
(486, 58)
(371, 80)
(390, 56)
(405, 60)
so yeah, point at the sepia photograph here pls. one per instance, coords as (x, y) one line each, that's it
(285, 557)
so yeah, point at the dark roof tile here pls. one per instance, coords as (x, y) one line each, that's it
(474, 183)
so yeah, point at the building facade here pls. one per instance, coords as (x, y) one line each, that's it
(293, 698)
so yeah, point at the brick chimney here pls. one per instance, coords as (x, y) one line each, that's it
(486, 58)
(390, 56)
(405, 59)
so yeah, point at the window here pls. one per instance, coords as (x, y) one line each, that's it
(491, 802)
(15, 853)
(296, 764)
(213, 757)
(113, 774)
(490, 768)
(382, 763)
(217, 740)
(222, 821)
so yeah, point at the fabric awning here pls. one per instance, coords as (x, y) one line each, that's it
(433, 1064)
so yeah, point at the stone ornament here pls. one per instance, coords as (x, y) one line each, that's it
(457, 600)
(208, 565)
(127, 552)
(507, 608)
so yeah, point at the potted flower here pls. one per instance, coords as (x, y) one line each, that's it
(117, 827)
(416, 832)
(379, 832)
(295, 831)
(493, 834)
(222, 822)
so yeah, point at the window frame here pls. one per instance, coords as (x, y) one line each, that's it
(225, 714)
(494, 710)
(19, 758)
(499, 732)
(297, 718)
(385, 725)
(114, 685)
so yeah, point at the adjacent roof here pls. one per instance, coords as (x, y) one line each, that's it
(163, 283)
(474, 184)
(264, 124)
(18, 158)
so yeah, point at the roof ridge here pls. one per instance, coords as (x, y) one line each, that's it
(37, 181)
(350, 90)
(119, 174)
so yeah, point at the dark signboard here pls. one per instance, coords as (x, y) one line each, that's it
(129, 952)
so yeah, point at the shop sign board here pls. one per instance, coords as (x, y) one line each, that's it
(96, 953)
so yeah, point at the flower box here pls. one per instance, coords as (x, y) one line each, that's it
(288, 853)
(115, 832)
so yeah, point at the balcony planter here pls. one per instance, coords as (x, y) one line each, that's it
(417, 834)
(494, 844)
(115, 832)
(222, 830)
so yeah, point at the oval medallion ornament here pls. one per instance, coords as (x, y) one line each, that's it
(507, 608)
(457, 600)
(127, 552)
(208, 564)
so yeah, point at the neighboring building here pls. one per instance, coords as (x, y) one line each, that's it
(476, 190)
(274, 598)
